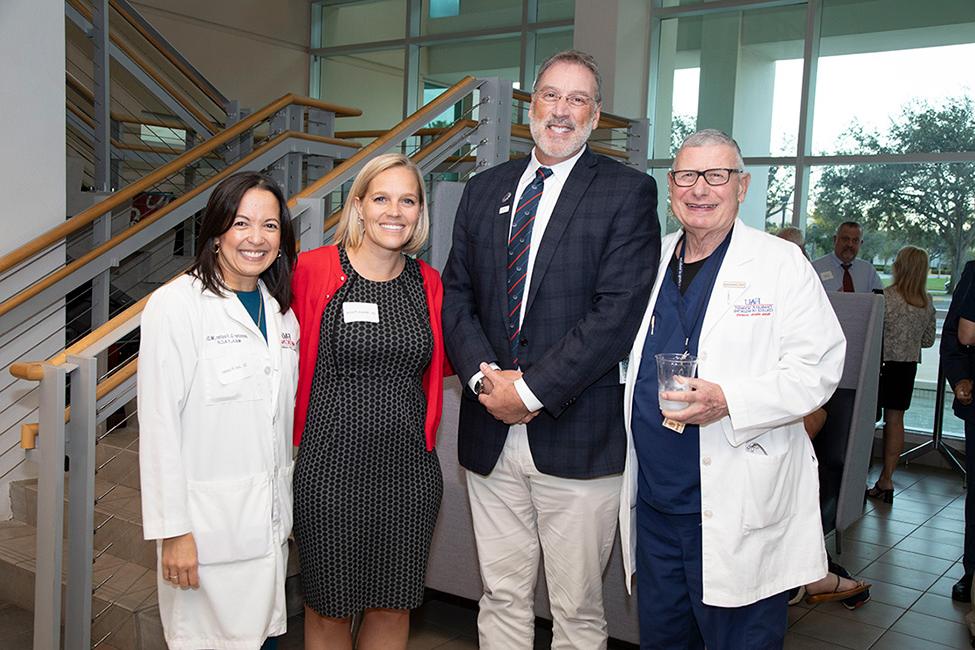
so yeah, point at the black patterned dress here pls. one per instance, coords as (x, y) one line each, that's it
(366, 491)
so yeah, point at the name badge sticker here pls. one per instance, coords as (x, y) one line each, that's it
(504, 209)
(360, 312)
(826, 275)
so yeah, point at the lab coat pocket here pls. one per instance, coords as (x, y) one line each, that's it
(770, 489)
(287, 502)
(231, 519)
(229, 379)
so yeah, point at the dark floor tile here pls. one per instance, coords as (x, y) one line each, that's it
(877, 522)
(932, 628)
(795, 641)
(873, 613)
(930, 533)
(928, 547)
(934, 604)
(898, 641)
(918, 561)
(899, 575)
(891, 594)
(840, 631)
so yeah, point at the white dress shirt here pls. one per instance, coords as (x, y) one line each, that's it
(546, 205)
(830, 270)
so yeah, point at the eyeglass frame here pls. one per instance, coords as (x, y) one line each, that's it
(556, 97)
(701, 174)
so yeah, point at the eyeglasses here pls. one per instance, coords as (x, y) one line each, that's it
(552, 97)
(688, 177)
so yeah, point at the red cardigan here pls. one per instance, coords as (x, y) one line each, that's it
(317, 276)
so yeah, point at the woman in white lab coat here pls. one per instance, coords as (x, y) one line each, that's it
(217, 380)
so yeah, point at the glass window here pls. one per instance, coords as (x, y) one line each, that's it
(471, 15)
(548, 43)
(876, 64)
(364, 21)
(445, 64)
(556, 9)
(372, 81)
(732, 71)
(919, 204)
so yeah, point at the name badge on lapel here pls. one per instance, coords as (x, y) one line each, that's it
(360, 312)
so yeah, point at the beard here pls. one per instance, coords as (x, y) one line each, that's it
(559, 148)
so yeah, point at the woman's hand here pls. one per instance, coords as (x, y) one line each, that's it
(179, 561)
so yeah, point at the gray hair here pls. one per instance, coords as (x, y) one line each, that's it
(709, 137)
(578, 58)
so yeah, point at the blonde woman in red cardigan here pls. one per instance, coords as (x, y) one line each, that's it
(367, 482)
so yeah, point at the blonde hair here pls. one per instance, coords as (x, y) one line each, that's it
(910, 270)
(349, 231)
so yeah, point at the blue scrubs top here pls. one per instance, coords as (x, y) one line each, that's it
(670, 476)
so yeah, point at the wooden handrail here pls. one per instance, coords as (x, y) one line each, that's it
(29, 430)
(176, 61)
(34, 370)
(85, 217)
(66, 270)
(606, 120)
(400, 131)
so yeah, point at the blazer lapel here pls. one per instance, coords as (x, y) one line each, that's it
(501, 196)
(573, 191)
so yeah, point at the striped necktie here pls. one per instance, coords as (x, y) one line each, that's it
(519, 244)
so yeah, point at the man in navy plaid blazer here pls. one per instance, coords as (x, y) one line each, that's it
(552, 262)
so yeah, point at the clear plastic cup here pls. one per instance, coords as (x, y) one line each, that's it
(671, 365)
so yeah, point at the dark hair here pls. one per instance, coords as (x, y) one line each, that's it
(849, 224)
(219, 216)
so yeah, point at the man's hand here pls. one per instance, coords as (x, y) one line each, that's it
(963, 391)
(706, 402)
(179, 561)
(501, 399)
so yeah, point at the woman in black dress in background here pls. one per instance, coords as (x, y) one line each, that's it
(367, 482)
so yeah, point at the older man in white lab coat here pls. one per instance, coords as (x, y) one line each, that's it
(719, 514)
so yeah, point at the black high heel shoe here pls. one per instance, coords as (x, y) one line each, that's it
(887, 496)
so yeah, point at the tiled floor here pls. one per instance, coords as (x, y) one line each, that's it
(910, 551)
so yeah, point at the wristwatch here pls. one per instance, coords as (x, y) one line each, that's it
(479, 386)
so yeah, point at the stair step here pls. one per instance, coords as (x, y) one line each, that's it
(126, 605)
(120, 511)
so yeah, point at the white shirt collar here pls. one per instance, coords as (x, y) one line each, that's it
(559, 170)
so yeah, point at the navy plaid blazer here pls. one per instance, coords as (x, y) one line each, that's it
(591, 281)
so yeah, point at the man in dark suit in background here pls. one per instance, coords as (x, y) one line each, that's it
(958, 361)
(553, 258)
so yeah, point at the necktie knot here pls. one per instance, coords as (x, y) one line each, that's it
(541, 174)
(846, 266)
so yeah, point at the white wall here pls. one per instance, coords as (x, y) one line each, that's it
(32, 166)
(251, 50)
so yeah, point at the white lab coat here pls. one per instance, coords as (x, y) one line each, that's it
(215, 415)
(770, 339)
